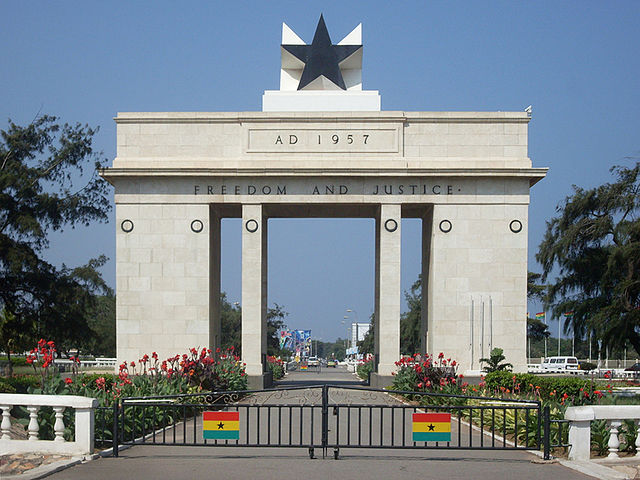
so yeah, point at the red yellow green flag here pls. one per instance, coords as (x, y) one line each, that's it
(431, 427)
(221, 425)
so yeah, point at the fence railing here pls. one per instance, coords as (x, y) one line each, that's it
(580, 419)
(83, 442)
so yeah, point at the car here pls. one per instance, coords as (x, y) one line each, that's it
(332, 363)
(633, 368)
(560, 363)
(313, 362)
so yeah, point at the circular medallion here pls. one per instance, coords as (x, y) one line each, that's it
(515, 226)
(197, 226)
(126, 226)
(445, 226)
(391, 225)
(251, 226)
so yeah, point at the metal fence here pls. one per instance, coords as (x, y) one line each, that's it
(326, 417)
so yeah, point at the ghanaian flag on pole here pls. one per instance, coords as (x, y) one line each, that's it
(540, 316)
(431, 427)
(221, 425)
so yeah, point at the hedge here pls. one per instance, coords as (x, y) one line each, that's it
(528, 382)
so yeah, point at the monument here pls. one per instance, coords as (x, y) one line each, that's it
(322, 147)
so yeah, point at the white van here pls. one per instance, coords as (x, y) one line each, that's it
(559, 364)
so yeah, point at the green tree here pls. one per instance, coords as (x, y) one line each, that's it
(275, 322)
(410, 320)
(535, 291)
(231, 324)
(594, 247)
(13, 337)
(102, 322)
(41, 166)
(537, 329)
(367, 344)
(495, 361)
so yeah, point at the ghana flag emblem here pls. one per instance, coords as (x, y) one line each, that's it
(431, 427)
(221, 425)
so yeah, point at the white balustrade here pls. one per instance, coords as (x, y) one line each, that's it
(580, 419)
(84, 424)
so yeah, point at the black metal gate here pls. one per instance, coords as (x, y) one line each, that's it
(329, 417)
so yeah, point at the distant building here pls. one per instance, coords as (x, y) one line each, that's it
(358, 331)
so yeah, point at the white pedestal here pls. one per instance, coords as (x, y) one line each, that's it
(321, 101)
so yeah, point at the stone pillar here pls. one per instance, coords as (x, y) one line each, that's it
(215, 329)
(254, 289)
(388, 249)
(427, 226)
(162, 276)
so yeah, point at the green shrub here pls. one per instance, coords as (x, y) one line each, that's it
(578, 388)
(15, 361)
(22, 383)
(364, 369)
(276, 366)
(6, 387)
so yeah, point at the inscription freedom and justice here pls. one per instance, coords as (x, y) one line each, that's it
(327, 189)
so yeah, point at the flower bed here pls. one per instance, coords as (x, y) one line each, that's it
(193, 372)
(426, 374)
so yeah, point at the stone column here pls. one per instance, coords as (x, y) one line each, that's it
(215, 330)
(388, 249)
(427, 226)
(254, 289)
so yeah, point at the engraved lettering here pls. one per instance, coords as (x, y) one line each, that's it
(376, 190)
(237, 190)
(328, 189)
(389, 190)
(279, 140)
(366, 137)
(413, 189)
(266, 190)
(343, 190)
(209, 189)
(282, 190)
(437, 189)
(196, 188)
(449, 189)
(315, 190)
(293, 139)
(400, 189)
(223, 190)
(251, 190)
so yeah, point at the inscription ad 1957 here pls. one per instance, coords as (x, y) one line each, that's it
(323, 140)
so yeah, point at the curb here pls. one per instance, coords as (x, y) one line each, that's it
(46, 470)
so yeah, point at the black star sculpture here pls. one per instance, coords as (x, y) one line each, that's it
(321, 57)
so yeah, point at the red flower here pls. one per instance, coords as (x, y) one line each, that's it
(68, 381)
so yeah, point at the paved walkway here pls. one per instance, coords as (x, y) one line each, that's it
(144, 461)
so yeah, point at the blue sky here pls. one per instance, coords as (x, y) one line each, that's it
(575, 62)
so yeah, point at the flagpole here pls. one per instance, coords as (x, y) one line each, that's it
(559, 336)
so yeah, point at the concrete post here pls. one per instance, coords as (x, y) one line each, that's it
(215, 329)
(388, 288)
(253, 292)
(85, 422)
(579, 432)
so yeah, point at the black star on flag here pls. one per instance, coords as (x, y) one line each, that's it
(221, 426)
(432, 427)
(322, 58)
